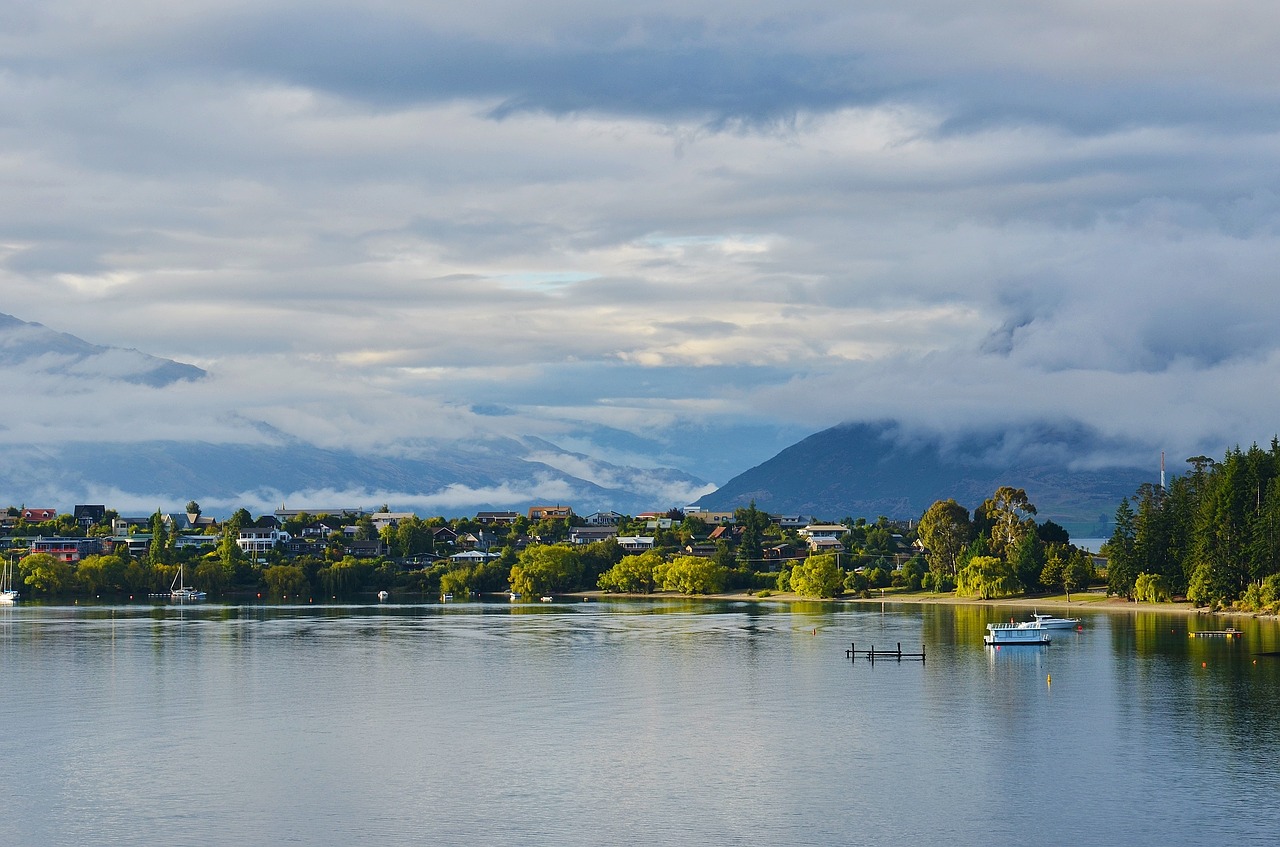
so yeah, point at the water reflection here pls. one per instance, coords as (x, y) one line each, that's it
(625, 722)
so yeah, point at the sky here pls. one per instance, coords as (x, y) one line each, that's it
(658, 233)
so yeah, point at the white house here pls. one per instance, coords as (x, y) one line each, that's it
(635, 543)
(260, 539)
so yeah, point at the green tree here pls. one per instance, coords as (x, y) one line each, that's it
(1010, 515)
(456, 582)
(690, 575)
(1028, 558)
(945, 530)
(987, 577)
(632, 575)
(1078, 572)
(1121, 553)
(158, 552)
(818, 576)
(285, 580)
(1151, 588)
(546, 568)
(751, 544)
(45, 573)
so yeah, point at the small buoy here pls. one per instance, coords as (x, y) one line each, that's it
(1049, 679)
(1204, 664)
(815, 632)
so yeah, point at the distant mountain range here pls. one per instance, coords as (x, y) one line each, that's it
(33, 346)
(868, 470)
(859, 470)
(434, 477)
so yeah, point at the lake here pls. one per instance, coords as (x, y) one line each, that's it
(663, 722)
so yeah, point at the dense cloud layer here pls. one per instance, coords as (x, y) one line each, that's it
(666, 233)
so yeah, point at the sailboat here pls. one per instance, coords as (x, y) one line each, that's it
(179, 591)
(7, 595)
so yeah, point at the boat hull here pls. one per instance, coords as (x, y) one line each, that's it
(1006, 634)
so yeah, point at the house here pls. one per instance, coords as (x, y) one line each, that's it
(282, 514)
(384, 519)
(602, 519)
(795, 522)
(473, 557)
(708, 516)
(823, 530)
(137, 544)
(724, 532)
(779, 553)
(444, 535)
(365, 549)
(701, 549)
(543, 513)
(497, 517)
(186, 522)
(39, 515)
(121, 526)
(87, 516)
(70, 550)
(198, 541)
(591, 534)
(635, 543)
(254, 539)
(825, 545)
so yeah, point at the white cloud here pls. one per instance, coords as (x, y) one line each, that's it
(920, 212)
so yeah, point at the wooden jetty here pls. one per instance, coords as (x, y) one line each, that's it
(1215, 633)
(882, 655)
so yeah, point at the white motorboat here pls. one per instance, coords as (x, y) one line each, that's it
(383, 596)
(1009, 634)
(1039, 621)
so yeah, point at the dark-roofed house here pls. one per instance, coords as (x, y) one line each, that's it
(87, 516)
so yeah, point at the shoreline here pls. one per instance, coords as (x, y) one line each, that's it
(1094, 601)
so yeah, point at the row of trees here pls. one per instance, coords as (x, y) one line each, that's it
(1212, 534)
(1001, 550)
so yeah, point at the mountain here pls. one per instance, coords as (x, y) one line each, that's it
(868, 470)
(432, 476)
(454, 478)
(35, 347)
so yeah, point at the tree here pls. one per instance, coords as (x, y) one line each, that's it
(1078, 572)
(1009, 514)
(1151, 588)
(751, 544)
(1028, 559)
(158, 552)
(690, 575)
(818, 576)
(632, 575)
(284, 580)
(987, 577)
(1120, 552)
(45, 573)
(193, 509)
(945, 530)
(546, 568)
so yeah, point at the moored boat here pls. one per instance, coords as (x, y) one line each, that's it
(179, 591)
(1039, 621)
(1001, 634)
(8, 595)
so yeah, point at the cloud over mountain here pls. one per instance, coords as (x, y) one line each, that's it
(688, 234)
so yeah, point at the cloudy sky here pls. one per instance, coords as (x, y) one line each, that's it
(679, 233)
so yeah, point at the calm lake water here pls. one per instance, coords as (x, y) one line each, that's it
(625, 723)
